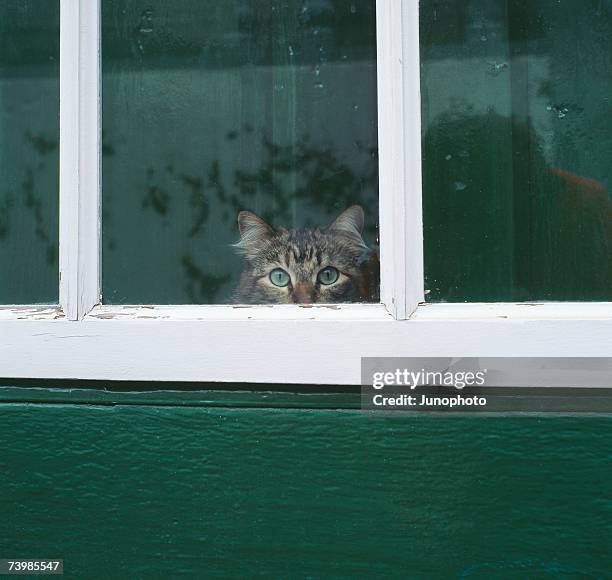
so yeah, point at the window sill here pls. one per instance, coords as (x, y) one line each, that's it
(293, 345)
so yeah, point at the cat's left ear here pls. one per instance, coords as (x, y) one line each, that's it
(350, 221)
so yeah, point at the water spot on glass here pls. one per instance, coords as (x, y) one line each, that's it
(483, 37)
(290, 50)
(496, 68)
(353, 8)
(448, 157)
(344, 57)
(560, 110)
(355, 107)
(317, 70)
(459, 185)
(319, 86)
(146, 21)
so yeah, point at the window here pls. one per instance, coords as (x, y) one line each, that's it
(29, 138)
(468, 255)
(210, 108)
(516, 148)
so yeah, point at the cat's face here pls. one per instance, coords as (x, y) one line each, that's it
(302, 266)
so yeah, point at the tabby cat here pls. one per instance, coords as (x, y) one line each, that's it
(308, 265)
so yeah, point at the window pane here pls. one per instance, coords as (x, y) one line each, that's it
(517, 142)
(211, 108)
(29, 131)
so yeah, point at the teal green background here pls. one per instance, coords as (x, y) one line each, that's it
(210, 108)
(298, 485)
(517, 140)
(29, 133)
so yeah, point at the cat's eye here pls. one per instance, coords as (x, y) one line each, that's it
(328, 275)
(279, 277)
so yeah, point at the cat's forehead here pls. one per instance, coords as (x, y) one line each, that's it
(302, 247)
(306, 238)
(309, 249)
(307, 242)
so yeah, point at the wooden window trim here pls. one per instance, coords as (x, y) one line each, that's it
(82, 339)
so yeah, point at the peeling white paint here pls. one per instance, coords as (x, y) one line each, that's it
(31, 313)
(286, 312)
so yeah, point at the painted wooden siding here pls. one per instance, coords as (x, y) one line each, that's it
(148, 491)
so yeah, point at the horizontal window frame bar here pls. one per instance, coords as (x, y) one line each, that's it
(349, 313)
(229, 313)
(289, 350)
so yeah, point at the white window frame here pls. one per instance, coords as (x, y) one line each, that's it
(82, 339)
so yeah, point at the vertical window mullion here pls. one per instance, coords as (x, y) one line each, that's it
(414, 274)
(79, 156)
(399, 135)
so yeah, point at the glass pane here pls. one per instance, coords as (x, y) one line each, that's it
(212, 108)
(517, 142)
(29, 138)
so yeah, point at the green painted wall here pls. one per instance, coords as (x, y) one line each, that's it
(231, 485)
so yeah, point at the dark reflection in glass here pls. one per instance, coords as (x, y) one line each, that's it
(29, 130)
(517, 142)
(210, 108)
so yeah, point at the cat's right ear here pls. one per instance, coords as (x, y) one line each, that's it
(253, 230)
(350, 221)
